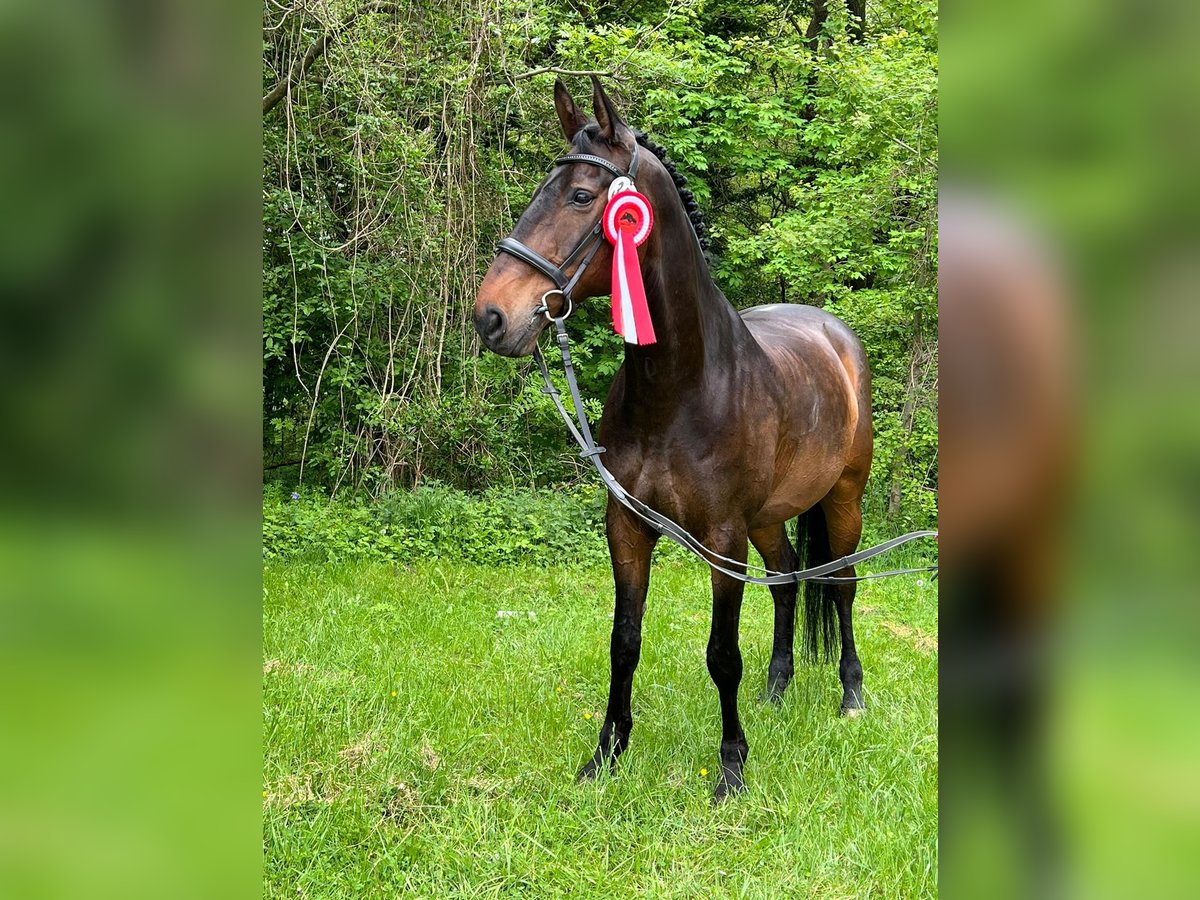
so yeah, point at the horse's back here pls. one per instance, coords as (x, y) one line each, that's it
(797, 339)
(789, 327)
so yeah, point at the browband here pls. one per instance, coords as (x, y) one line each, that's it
(586, 248)
(602, 162)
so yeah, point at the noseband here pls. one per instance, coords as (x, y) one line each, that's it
(584, 251)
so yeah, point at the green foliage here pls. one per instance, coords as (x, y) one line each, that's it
(501, 526)
(434, 521)
(416, 141)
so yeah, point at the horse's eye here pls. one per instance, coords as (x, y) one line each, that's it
(582, 198)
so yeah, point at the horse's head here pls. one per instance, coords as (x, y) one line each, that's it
(560, 227)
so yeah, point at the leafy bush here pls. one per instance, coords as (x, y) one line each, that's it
(436, 521)
(497, 527)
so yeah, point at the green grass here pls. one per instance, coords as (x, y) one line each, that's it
(417, 744)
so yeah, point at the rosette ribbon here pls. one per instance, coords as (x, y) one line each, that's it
(627, 223)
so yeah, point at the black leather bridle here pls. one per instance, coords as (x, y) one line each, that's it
(584, 251)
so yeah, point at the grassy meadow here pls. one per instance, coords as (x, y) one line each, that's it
(423, 726)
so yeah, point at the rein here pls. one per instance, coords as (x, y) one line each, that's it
(584, 252)
(582, 433)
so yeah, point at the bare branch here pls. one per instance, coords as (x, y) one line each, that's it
(301, 66)
(557, 71)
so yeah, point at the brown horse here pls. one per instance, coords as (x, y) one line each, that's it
(731, 423)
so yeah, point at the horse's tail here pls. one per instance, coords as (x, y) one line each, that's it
(821, 638)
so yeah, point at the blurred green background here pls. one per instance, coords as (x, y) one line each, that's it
(1079, 122)
(130, 516)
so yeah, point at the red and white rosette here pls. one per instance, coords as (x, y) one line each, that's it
(627, 222)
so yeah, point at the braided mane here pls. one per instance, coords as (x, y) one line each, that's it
(685, 194)
(591, 132)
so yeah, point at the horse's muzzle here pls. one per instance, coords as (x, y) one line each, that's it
(491, 324)
(506, 337)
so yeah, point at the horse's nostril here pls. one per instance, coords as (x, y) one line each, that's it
(490, 323)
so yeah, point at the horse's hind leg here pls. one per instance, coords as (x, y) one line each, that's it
(843, 520)
(630, 544)
(778, 554)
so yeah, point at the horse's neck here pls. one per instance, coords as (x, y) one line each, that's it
(698, 333)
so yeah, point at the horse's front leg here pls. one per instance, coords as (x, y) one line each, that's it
(630, 545)
(725, 664)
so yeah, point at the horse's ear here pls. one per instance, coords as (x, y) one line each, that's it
(569, 115)
(606, 114)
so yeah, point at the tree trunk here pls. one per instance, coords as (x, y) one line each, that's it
(857, 25)
(820, 13)
(908, 414)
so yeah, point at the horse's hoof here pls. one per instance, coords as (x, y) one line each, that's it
(594, 766)
(727, 789)
(729, 782)
(772, 694)
(852, 712)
